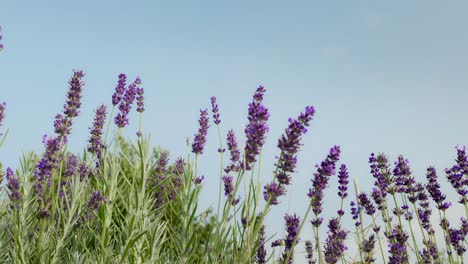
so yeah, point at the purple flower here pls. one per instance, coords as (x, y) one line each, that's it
(95, 201)
(366, 203)
(140, 98)
(14, 188)
(433, 188)
(119, 89)
(229, 189)
(46, 165)
(324, 171)
(379, 199)
(310, 252)
(73, 103)
(200, 138)
(355, 213)
(458, 175)
(430, 252)
(456, 240)
(215, 110)
(424, 211)
(63, 123)
(261, 251)
(198, 180)
(289, 144)
(334, 244)
(84, 171)
(158, 178)
(1, 37)
(121, 120)
(343, 182)
(367, 246)
(234, 151)
(179, 167)
(292, 228)
(256, 129)
(397, 244)
(71, 166)
(96, 145)
(272, 191)
(381, 172)
(402, 173)
(2, 113)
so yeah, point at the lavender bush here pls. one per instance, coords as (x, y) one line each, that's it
(122, 201)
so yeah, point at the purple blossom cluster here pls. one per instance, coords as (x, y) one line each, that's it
(309, 252)
(292, 229)
(457, 175)
(71, 109)
(14, 188)
(433, 188)
(367, 246)
(256, 129)
(343, 181)
(126, 102)
(380, 170)
(402, 173)
(320, 181)
(355, 213)
(95, 201)
(215, 110)
(398, 250)
(229, 189)
(158, 178)
(71, 167)
(234, 152)
(49, 161)
(96, 145)
(334, 244)
(261, 255)
(200, 138)
(1, 37)
(2, 113)
(119, 89)
(140, 98)
(366, 203)
(289, 144)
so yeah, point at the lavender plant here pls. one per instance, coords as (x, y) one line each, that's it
(124, 201)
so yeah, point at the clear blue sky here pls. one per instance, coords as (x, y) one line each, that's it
(384, 77)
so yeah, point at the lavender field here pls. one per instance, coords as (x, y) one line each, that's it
(247, 192)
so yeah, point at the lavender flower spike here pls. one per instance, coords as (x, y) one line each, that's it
(215, 110)
(334, 245)
(140, 98)
(289, 144)
(121, 120)
(96, 146)
(73, 104)
(2, 113)
(261, 251)
(63, 123)
(119, 89)
(1, 37)
(46, 165)
(433, 188)
(292, 227)
(324, 171)
(95, 201)
(13, 186)
(256, 129)
(200, 138)
(234, 151)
